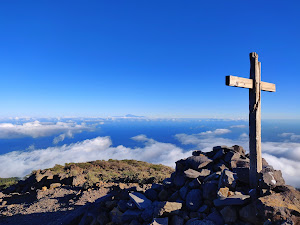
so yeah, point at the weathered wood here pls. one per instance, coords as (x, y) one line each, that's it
(255, 86)
(255, 120)
(267, 86)
(248, 83)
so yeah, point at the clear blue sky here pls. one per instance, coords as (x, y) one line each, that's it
(152, 58)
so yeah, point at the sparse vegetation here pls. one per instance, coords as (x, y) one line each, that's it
(127, 171)
(116, 171)
(6, 182)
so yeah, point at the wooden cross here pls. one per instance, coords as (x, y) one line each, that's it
(255, 86)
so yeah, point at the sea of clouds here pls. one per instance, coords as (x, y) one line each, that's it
(284, 156)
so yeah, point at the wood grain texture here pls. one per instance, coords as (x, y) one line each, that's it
(255, 121)
(248, 83)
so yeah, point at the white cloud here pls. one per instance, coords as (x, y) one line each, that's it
(290, 136)
(238, 126)
(216, 132)
(21, 163)
(205, 141)
(41, 129)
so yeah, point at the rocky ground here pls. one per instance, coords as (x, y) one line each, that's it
(53, 195)
(209, 188)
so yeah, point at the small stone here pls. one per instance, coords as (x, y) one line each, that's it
(196, 221)
(190, 173)
(229, 214)
(183, 192)
(203, 209)
(197, 153)
(55, 185)
(244, 163)
(78, 180)
(219, 166)
(239, 149)
(219, 154)
(44, 188)
(204, 173)
(147, 214)
(166, 208)
(130, 215)
(140, 200)
(163, 195)
(151, 194)
(242, 174)
(3, 203)
(181, 165)
(231, 155)
(194, 199)
(157, 187)
(227, 179)
(270, 178)
(210, 189)
(216, 217)
(195, 183)
(232, 200)
(174, 196)
(214, 176)
(176, 220)
(178, 179)
(167, 182)
(197, 162)
(122, 205)
(223, 192)
(131, 205)
(160, 221)
(116, 216)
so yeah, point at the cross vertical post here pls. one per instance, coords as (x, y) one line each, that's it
(255, 120)
(255, 86)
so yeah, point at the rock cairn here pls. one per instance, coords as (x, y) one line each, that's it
(207, 188)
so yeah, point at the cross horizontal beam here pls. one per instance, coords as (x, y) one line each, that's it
(248, 83)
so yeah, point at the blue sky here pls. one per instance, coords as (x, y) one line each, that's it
(152, 58)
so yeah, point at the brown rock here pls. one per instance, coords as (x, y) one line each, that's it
(190, 173)
(270, 178)
(167, 208)
(55, 185)
(239, 149)
(44, 188)
(223, 192)
(78, 180)
(197, 162)
(275, 207)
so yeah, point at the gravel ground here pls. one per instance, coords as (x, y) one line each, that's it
(45, 207)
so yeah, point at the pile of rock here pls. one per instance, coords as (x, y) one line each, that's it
(206, 188)
(45, 179)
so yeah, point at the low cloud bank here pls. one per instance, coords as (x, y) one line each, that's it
(22, 163)
(284, 156)
(38, 129)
